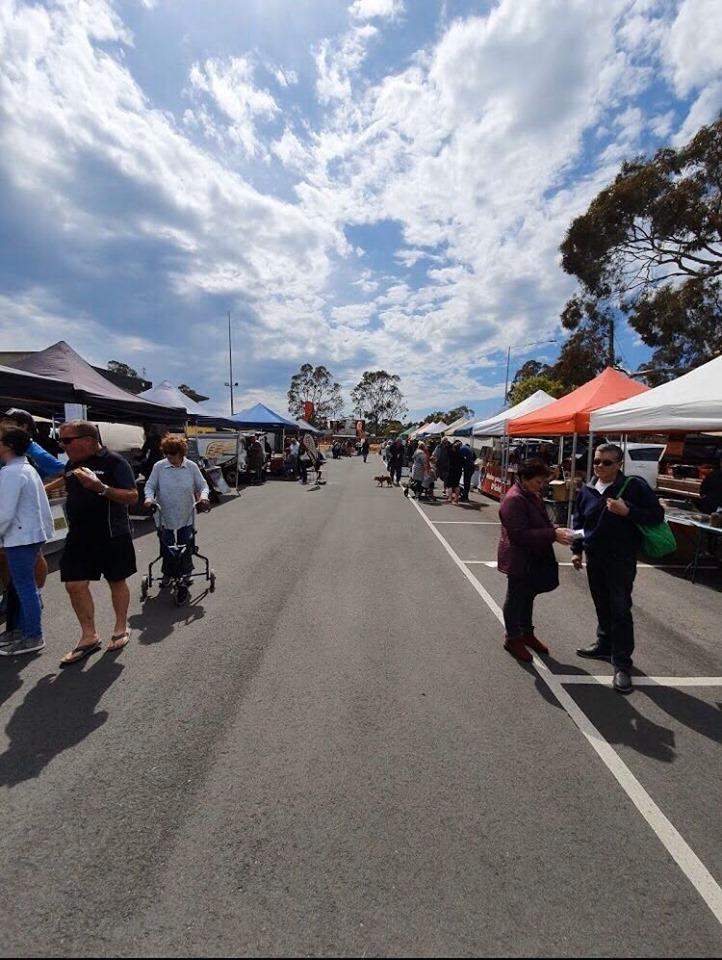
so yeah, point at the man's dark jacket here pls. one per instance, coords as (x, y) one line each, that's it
(608, 536)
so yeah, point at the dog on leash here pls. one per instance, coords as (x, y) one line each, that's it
(380, 481)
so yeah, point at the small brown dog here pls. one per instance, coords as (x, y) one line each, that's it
(382, 480)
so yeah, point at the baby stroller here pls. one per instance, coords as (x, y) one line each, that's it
(176, 556)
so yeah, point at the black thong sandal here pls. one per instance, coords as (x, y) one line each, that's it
(80, 652)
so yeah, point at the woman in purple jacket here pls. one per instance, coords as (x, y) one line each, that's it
(526, 556)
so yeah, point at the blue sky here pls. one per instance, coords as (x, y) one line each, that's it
(363, 184)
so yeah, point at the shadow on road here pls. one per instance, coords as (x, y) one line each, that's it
(160, 617)
(58, 713)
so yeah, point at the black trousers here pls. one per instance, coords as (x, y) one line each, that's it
(395, 468)
(519, 607)
(468, 474)
(610, 583)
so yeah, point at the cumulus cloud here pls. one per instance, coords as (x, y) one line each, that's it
(459, 169)
(229, 84)
(368, 9)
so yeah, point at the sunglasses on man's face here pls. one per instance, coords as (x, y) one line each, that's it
(605, 463)
(64, 441)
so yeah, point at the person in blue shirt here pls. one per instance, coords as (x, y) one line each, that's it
(49, 468)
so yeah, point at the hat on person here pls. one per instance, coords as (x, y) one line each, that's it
(21, 417)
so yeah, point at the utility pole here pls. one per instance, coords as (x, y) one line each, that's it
(506, 382)
(230, 383)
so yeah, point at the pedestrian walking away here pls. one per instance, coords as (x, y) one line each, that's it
(365, 448)
(526, 556)
(611, 541)
(26, 523)
(100, 487)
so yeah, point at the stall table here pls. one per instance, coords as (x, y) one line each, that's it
(703, 529)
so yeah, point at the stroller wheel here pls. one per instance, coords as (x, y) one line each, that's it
(144, 588)
(212, 582)
(182, 595)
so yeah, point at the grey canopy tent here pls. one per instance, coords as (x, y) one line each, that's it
(105, 401)
(169, 396)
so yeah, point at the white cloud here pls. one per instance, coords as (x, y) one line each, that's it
(229, 84)
(368, 9)
(286, 78)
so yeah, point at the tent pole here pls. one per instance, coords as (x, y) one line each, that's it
(589, 456)
(573, 473)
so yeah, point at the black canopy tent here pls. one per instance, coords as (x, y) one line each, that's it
(105, 401)
(21, 389)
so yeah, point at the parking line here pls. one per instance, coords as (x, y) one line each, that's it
(640, 566)
(675, 844)
(606, 681)
(475, 523)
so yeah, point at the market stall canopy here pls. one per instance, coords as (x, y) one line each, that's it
(571, 414)
(169, 396)
(104, 399)
(462, 428)
(306, 427)
(455, 425)
(18, 389)
(691, 403)
(496, 426)
(261, 417)
(431, 429)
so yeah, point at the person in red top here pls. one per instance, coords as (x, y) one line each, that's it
(526, 556)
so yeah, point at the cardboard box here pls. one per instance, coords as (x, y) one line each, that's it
(560, 490)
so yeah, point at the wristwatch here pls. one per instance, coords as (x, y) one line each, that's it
(102, 493)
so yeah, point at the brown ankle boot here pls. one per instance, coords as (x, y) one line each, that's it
(537, 646)
(517, 649)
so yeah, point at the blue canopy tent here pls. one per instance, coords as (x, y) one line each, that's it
(305, 427)
(261, 417)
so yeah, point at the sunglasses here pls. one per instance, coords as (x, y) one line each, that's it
(597, 463)
(64, 441)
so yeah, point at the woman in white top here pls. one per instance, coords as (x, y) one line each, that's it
(26, 523)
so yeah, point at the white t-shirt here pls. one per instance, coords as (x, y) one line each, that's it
(601, 487)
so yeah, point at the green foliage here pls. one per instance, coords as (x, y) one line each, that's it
(115, 366)
(441, 416)
(314, 384)
(377, 398)
(650, 247)
(525, 388)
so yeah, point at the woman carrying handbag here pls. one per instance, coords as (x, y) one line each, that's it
(526, 556)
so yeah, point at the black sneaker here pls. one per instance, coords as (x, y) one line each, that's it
(9, 637)
(595, 652)
(622, 682)
(21, 646)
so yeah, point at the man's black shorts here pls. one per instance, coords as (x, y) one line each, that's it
(90, 558)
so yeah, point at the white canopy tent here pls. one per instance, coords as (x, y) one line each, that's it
(496, 426)
(429, 429)
(692, 403)
(171, 396)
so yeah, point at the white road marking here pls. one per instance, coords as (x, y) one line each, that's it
(640, 566)
(476, 523)
(606, 681)
(675, 844)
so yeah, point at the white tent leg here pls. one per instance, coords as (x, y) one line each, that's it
(573, 464)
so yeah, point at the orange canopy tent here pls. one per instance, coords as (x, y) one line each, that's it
(570, 414)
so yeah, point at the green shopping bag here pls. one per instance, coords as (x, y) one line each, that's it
(657, 538)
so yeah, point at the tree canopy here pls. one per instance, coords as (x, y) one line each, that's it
(317, 386)
(525, 387)
(449, 416)
(115, 366)
(649, 248)
(377, 398)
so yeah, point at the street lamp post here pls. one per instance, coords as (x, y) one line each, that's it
(230, 382)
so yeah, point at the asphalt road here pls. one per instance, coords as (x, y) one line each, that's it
(333, 755)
